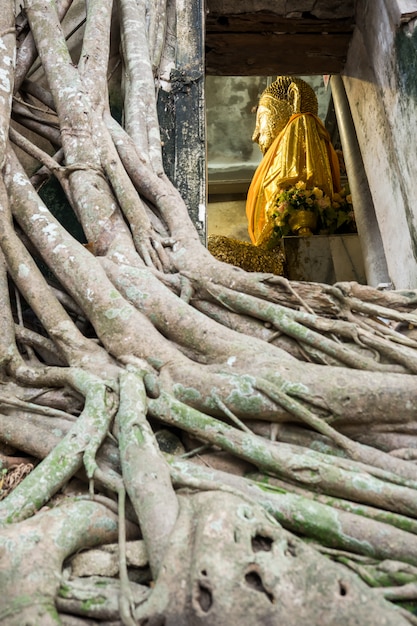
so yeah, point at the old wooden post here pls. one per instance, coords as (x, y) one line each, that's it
(182, 113)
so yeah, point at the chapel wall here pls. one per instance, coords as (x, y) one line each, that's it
(381, 83)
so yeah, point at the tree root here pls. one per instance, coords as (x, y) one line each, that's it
(79, 445)
(39, 546)
(143, 468)
(95, 597)
(242, 567)
(365, 531)
(331, 475)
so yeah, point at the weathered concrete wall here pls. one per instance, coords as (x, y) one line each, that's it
(230, 125)
(381, 83)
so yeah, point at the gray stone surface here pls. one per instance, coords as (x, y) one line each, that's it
(325, 259)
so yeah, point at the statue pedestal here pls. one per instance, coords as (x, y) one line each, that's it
(324, 259)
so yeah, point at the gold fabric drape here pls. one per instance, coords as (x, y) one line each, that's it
(302, 151)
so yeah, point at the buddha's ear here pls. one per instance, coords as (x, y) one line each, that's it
(294, 97)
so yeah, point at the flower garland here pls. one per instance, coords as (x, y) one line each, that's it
(333, 216)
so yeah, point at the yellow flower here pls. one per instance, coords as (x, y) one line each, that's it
(300, 185)
(318, 193)
(349, 199)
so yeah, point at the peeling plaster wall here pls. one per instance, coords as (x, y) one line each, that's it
(230, 123)
(380, 77)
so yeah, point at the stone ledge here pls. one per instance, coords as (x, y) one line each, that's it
(324, 258)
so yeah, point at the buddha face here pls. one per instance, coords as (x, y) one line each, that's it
(271, 117)
(263, 134)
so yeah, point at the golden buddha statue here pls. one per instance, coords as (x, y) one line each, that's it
(300, 166)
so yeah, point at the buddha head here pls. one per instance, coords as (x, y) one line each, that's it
(284, 97)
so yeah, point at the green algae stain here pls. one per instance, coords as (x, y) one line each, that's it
(406, 49)
(186, 394)
(87, 605)
(64, 591)
(123, 313)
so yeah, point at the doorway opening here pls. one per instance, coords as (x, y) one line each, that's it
(232, 160)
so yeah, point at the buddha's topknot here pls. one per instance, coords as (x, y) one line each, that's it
(295, 91)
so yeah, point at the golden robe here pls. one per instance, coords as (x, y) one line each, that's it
(302, 151)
